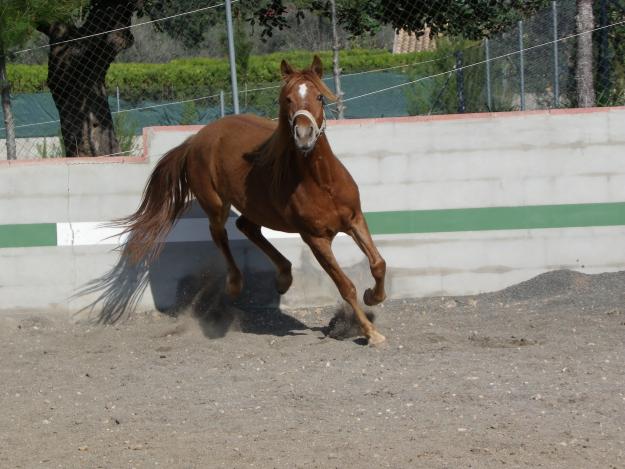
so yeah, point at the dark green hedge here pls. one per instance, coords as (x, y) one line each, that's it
(187, 78)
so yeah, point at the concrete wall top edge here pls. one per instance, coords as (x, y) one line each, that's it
(75, 161)
(144, 159)
(477, 115)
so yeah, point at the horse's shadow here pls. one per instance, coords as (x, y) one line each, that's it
(189, 278)
(193, 276)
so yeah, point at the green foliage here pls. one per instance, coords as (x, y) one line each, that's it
(610, 92)
(190, 29)
(242, 49)
(268, 14)
(189, 113)
(191, 78)
(19, 18)
(126, 129)
(45, 149)
(27, 77)
(439, 94)
(471, 19)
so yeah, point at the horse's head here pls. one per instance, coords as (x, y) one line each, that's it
(302, 101)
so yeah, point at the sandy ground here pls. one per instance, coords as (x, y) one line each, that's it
(532, 376)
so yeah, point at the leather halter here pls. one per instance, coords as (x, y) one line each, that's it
(317, 130)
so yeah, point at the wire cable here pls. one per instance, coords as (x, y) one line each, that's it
(481, 62)
(165, 18)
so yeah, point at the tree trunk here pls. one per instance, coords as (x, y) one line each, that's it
(336, 69)
(585, 78)
(77, 71)
(5, 92)
(603, 57)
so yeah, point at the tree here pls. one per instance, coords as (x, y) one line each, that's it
(585, 73)
(81, 53)
(472, 19)
(5, 96)
(189, 29)
(78, 60)
(18, 19)
(80, 56)
(610, 85)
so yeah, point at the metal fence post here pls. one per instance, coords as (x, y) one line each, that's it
(232, 57)
(489, 99)
(460, 82)
(556, 77)
(222, 104)
(117, 93)
(521, 66)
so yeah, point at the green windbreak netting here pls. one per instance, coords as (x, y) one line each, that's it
(30, 113)
(35, 114)
(387, 103)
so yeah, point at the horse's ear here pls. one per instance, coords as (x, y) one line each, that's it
(286, 69)
(317, 66)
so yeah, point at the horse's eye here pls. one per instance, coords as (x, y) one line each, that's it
(320, 97)
(288, 100)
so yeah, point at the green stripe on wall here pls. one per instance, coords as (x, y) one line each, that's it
(27, 235)
(413, 221)
(497, 218)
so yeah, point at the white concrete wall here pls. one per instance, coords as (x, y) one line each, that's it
(521, 159)
(515, 159)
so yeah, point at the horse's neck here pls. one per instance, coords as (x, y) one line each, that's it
(318, 165)
(320, 162)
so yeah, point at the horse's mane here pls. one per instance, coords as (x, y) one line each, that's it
(275, 151)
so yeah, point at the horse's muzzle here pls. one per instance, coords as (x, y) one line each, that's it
(306, 136)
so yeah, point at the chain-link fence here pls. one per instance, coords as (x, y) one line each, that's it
(88, 85)
(95, 75)
(530, 62)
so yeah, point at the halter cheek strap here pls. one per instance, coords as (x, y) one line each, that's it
(317, 131)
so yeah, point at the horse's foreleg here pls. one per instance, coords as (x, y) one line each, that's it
(322, 249)
(360, 233)
(254, 234)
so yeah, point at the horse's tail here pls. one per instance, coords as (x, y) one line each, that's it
(164, 199)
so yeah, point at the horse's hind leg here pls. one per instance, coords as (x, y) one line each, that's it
(252, 231)
(360, 233)
(218, 213)
(322, 249)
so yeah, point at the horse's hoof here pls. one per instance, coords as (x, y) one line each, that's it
(376, 339)
(234, 287)
(283, 282)
(370, 299)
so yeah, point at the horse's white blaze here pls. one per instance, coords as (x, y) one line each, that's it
(303, 90)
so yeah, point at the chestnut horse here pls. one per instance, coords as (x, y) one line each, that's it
(280, 175)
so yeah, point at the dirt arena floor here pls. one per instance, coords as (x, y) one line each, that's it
(532, 376)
